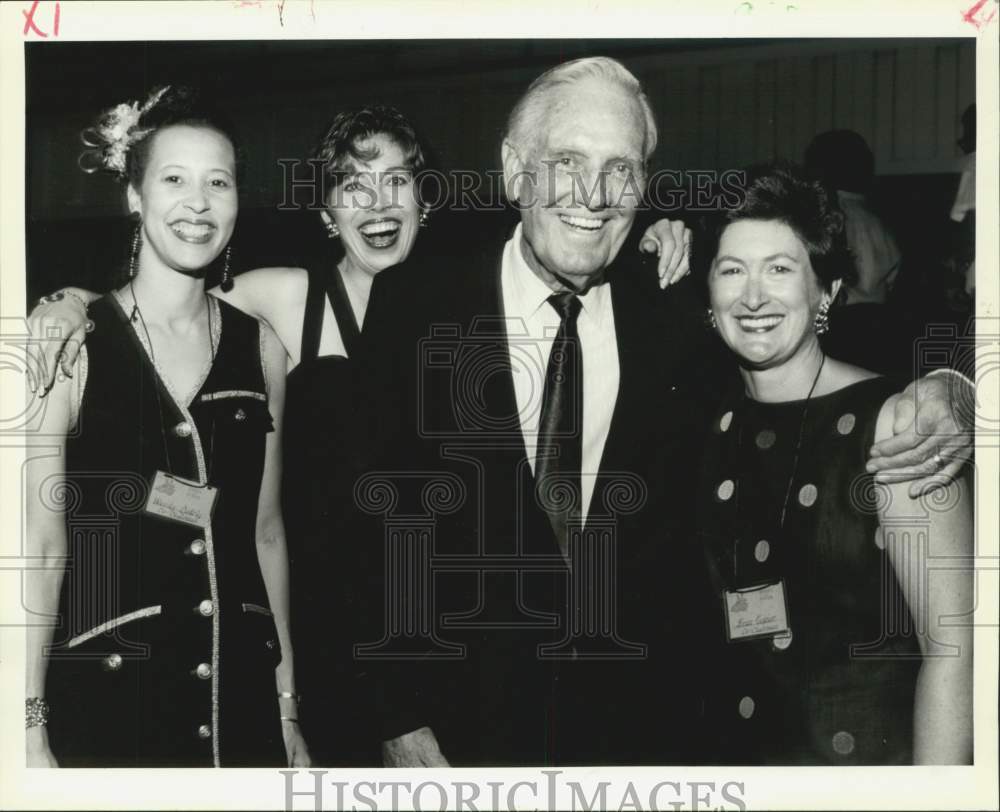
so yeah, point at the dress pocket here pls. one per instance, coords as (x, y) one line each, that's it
(259, 634)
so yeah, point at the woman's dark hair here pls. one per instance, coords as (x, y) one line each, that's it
(340, 148)
(782, 192)
(178, 105)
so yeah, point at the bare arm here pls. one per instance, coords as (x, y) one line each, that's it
(929, 542)
(272, 551)
(275, 295)
(47, 549)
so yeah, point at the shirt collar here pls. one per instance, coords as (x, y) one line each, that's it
(529, 293)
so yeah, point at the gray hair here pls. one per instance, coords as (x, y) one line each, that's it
(527, 117)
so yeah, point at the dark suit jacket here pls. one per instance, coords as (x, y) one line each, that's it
(513, 657)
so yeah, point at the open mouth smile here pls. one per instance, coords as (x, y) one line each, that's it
(381, 233)
(198, 232)
(582, 223)
(758, 324)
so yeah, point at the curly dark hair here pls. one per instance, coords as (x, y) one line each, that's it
(784, 192)
(340, 147)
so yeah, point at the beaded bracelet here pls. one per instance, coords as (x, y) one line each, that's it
(59, 295)
(36, 712)
(289, 695)
(289, 719)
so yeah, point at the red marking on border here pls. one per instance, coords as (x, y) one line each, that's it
(979, 22)
(31, 26)
(29, 21)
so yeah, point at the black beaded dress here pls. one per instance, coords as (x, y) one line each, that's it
(838, 688)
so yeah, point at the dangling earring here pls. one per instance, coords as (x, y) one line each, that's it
(821, 324)
(332, 232)
(710, 319)
(424, 218)
(227, 277)
(133, 257)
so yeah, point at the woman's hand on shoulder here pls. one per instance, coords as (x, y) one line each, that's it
(57, 327)
(670, 240)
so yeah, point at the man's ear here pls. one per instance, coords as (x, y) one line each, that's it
(513, 170)
(134, 200)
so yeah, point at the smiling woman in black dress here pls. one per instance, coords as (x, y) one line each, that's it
(157, 524)
(838, 640)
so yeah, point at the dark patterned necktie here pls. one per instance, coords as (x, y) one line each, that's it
(559, 454)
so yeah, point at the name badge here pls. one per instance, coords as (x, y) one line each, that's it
(757, 612)
(181, 500)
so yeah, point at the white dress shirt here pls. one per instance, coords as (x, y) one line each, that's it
(532, 325)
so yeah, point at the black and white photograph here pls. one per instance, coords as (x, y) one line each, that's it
(535, 405)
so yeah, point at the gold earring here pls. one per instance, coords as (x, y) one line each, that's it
(332, 232)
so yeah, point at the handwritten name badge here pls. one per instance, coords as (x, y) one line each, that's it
(757, 612)
(181, 500)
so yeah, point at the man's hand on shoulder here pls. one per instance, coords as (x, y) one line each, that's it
(932, 434)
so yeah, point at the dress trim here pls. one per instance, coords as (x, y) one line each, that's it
(258, 609)
(195, 437)
(108, 625)
(232, 393)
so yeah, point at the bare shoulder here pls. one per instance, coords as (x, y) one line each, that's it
(288, 283)
(255, 291)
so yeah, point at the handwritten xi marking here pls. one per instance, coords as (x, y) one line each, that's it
(30, 25)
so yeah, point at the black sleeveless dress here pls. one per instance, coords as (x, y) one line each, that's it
(166, 648)
(839, 689)
(328, 588)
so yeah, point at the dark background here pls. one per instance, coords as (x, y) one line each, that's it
(719, 103)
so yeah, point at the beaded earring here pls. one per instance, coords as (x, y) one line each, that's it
(821, 324)
(227, 276)
(133, 257)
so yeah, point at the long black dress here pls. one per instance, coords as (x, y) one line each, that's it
(329, 590)
(840, 689)
(166, 650)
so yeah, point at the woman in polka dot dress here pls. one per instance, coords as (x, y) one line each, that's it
(839, 640)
